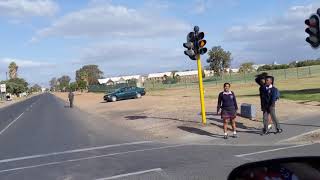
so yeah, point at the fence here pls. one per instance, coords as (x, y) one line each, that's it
(280, 74)
(108, 88)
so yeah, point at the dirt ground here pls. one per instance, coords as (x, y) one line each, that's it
(175, 113)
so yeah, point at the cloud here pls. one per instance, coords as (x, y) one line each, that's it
(27, 63)
(25, 8)
(123, 57)
(111, 21)
(201, 6)
(279, 38)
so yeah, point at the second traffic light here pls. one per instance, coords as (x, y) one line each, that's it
(313, 29)
(190, 46)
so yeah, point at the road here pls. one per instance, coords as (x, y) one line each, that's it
(42, 138)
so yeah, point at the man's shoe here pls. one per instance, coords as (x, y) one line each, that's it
(235, 136)
(279, 131)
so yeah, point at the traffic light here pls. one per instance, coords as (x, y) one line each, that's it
(190, 46)
(195, 44)
(313, 29)
(201, 43)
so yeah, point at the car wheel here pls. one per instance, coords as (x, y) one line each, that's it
(138, 95)
(113, 98)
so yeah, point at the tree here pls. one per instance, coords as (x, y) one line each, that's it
(53, 84)
(246, 67)
(64, 82)
(35, 88)
(73, 86)
(89, 73)
(219, 59)
(82, 85)
(13, 70)
(16, 86)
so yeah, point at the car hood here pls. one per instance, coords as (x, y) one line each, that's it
(110, 94)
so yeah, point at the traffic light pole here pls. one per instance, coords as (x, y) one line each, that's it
(195, 47)
(203, 109)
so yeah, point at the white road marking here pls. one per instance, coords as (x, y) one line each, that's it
(3, 130)
(300, 135)
(272, 150)
(131, 174)
(88, 158)
(71, 151)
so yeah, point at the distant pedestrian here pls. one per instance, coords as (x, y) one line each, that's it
(270, 95)
(71, 98)
(228, 104)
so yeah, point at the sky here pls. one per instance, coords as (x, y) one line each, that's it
(51, 38)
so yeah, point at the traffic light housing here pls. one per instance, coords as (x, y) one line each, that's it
(313, 29)
(190, 46)
(201, 43)
(195, 44)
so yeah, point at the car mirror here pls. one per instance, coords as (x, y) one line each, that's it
(296, 168)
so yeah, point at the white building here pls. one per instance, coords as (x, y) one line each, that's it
(159, 75)
(256, 66)
(187, 73)
(120, 79)
(235, 70)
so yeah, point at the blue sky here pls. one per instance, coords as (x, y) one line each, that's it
(49, 38)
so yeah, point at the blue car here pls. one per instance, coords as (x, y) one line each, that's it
(125, 93)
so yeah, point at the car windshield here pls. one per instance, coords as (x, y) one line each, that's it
(156, 89)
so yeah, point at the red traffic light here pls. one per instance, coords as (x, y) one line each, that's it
(200, 35)
(190, 37)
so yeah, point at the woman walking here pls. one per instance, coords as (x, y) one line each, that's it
(228, 104)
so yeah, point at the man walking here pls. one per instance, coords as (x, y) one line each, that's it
(270, 95)
(71, 97)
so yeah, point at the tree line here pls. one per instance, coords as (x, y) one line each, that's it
(220, 60)
(290, 65)
(84, 77)
(16, 85)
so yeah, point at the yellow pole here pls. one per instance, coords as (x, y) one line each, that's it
(203, 109)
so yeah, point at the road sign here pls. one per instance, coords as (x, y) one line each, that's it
(3, 88)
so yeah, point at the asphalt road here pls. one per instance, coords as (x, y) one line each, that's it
(41, 138)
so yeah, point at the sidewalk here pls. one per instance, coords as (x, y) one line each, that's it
(15, 100)
(291, 130)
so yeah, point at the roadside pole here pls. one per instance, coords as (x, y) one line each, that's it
(203, 109)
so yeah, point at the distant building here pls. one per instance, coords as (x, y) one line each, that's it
(120, 79)
(234, 70)
(256, 66)
(187, 73)
(159, 76)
